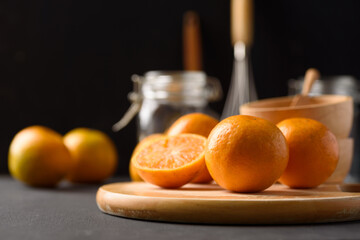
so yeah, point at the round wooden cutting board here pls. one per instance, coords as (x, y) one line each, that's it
(195, 203)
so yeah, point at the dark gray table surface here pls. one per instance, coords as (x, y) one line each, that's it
(70, 212)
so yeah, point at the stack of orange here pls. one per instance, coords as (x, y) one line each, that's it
(241, 153)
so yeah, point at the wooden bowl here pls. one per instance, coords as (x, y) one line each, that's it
(335, 111)
(346, 149)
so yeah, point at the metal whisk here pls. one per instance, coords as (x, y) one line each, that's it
(242, 87)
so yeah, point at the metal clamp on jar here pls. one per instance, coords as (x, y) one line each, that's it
(160, 97)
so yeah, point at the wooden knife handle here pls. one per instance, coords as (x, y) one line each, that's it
(192, 54)
(242, 21)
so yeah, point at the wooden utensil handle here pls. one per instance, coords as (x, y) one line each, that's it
(242, 21)
(311, 75)
(192, 42)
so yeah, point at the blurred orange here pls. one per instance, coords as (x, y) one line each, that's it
(198, 123)
(38, 157)
(93, 153)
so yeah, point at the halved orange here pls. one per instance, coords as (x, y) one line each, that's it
(171, 161)
(132, 171)
(197, 123)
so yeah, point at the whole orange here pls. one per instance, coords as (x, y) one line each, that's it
(314, 152)
(197, 123)
(132, 170)
(38, 157)
(94, 155)
(246, 154)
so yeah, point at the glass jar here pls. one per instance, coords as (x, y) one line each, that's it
(160, 97)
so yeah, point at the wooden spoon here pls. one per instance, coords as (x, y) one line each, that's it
(311, 76)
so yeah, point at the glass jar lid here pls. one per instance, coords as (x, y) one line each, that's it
(179, 86)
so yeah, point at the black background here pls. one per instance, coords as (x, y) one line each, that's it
(67, 64)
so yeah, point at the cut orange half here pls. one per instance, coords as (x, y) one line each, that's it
(171, 161)
(132, 171)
